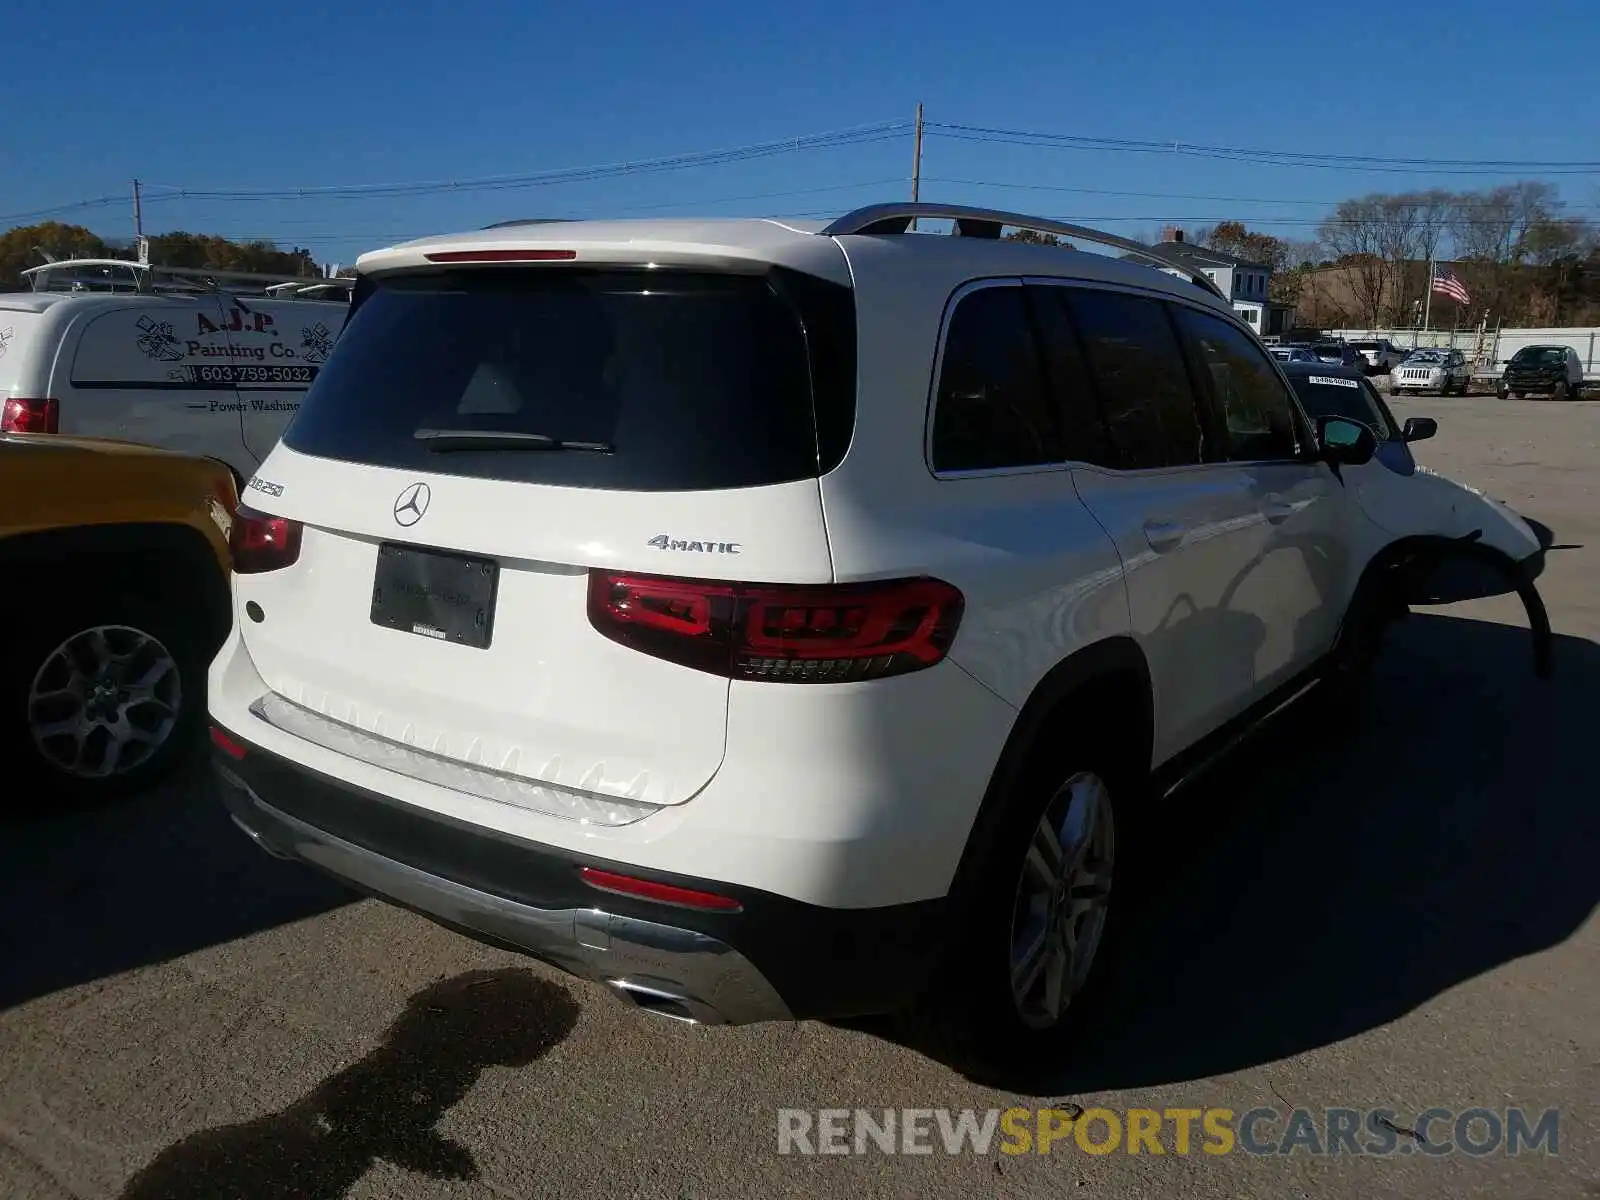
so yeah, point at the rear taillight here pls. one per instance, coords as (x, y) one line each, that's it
(19, 415)
(828, 633)
(258, 543)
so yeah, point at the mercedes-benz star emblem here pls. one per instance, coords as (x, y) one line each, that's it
(412, 504)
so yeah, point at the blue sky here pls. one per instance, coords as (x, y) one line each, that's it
(256, 95)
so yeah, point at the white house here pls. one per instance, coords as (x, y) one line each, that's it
(1243, 282)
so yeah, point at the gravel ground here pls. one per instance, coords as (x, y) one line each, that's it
(1402, 918)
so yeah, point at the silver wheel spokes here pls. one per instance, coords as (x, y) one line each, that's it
(104, 701)
(1060, 908)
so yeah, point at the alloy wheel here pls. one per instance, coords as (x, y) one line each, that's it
(104, 701)
(1058, 919)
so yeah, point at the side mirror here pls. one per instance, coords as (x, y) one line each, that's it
(1345, 442)
(1419, 429)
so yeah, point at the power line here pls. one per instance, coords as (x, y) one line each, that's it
(859, 135)
(1081, 191)
(1348, 162)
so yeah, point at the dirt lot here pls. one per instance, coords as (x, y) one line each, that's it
(1401, 919)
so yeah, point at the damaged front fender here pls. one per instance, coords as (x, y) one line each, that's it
(1443, 570)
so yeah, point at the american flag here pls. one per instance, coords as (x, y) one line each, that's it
(1446, 284)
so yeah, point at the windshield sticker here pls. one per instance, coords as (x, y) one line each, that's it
(1331, 381)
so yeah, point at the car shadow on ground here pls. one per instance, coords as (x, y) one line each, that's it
(1327, 881)
(385, 1107)
(92, 892)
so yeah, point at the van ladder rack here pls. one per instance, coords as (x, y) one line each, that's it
(146, 277)
(878, 219)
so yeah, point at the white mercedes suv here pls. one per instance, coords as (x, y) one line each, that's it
(772, 619)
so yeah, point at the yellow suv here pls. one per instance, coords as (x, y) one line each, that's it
(114, 591)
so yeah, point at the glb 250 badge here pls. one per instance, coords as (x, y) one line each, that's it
(662, 541)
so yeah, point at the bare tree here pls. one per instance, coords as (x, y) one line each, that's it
(1355, 238)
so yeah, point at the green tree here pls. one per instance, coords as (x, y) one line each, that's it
(20, 248)
(1034, 238)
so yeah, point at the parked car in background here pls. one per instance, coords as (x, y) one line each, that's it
(1342, 353)
(1381, 354)
(115, 558)
(1442, 371)
(1331, 391)
(200, 371)
(1554, 371)
(1300, 354)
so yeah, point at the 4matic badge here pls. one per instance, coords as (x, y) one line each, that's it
(662, 541)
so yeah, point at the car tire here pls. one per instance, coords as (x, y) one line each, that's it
(104, 696)
(1561, 391)
(993, 1010)
(1343, 682)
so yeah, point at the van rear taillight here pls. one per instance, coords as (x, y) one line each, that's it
(827, 633)
(258, 543)
(19, 415)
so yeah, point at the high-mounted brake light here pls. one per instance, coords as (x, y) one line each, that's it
(259, 543)
(664, 893)
(485, 256)
(828, 633)
(22, 415)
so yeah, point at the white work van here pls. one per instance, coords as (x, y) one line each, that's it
(209, 372)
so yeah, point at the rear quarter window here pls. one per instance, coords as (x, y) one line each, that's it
(653, 380)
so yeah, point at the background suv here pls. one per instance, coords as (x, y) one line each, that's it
(1442, 371)
(1341, 353)
(1381, 354)
(1553, 371)
(771, 619)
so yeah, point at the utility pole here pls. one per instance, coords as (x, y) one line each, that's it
(138, 213)
(916, 164)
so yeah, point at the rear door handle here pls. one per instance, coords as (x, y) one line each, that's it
(1164, 535)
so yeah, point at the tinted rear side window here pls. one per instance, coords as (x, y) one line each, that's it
(1255, 406)
(685, 380)
(992, 410)
(1140, 377)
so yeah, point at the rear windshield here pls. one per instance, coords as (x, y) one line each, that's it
(628, 379)
(1365, 346)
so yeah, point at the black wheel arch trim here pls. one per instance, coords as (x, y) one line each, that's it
(1113, 661)
(1407, 564)
(133, 542)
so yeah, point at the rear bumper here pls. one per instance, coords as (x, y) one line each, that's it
(774, 959)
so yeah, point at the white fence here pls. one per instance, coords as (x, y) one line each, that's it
(1497, 347)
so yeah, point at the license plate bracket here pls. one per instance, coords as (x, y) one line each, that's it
(435, 594)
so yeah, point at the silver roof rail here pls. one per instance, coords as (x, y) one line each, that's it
(876, 219)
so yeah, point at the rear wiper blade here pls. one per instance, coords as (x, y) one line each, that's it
(502, 439)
